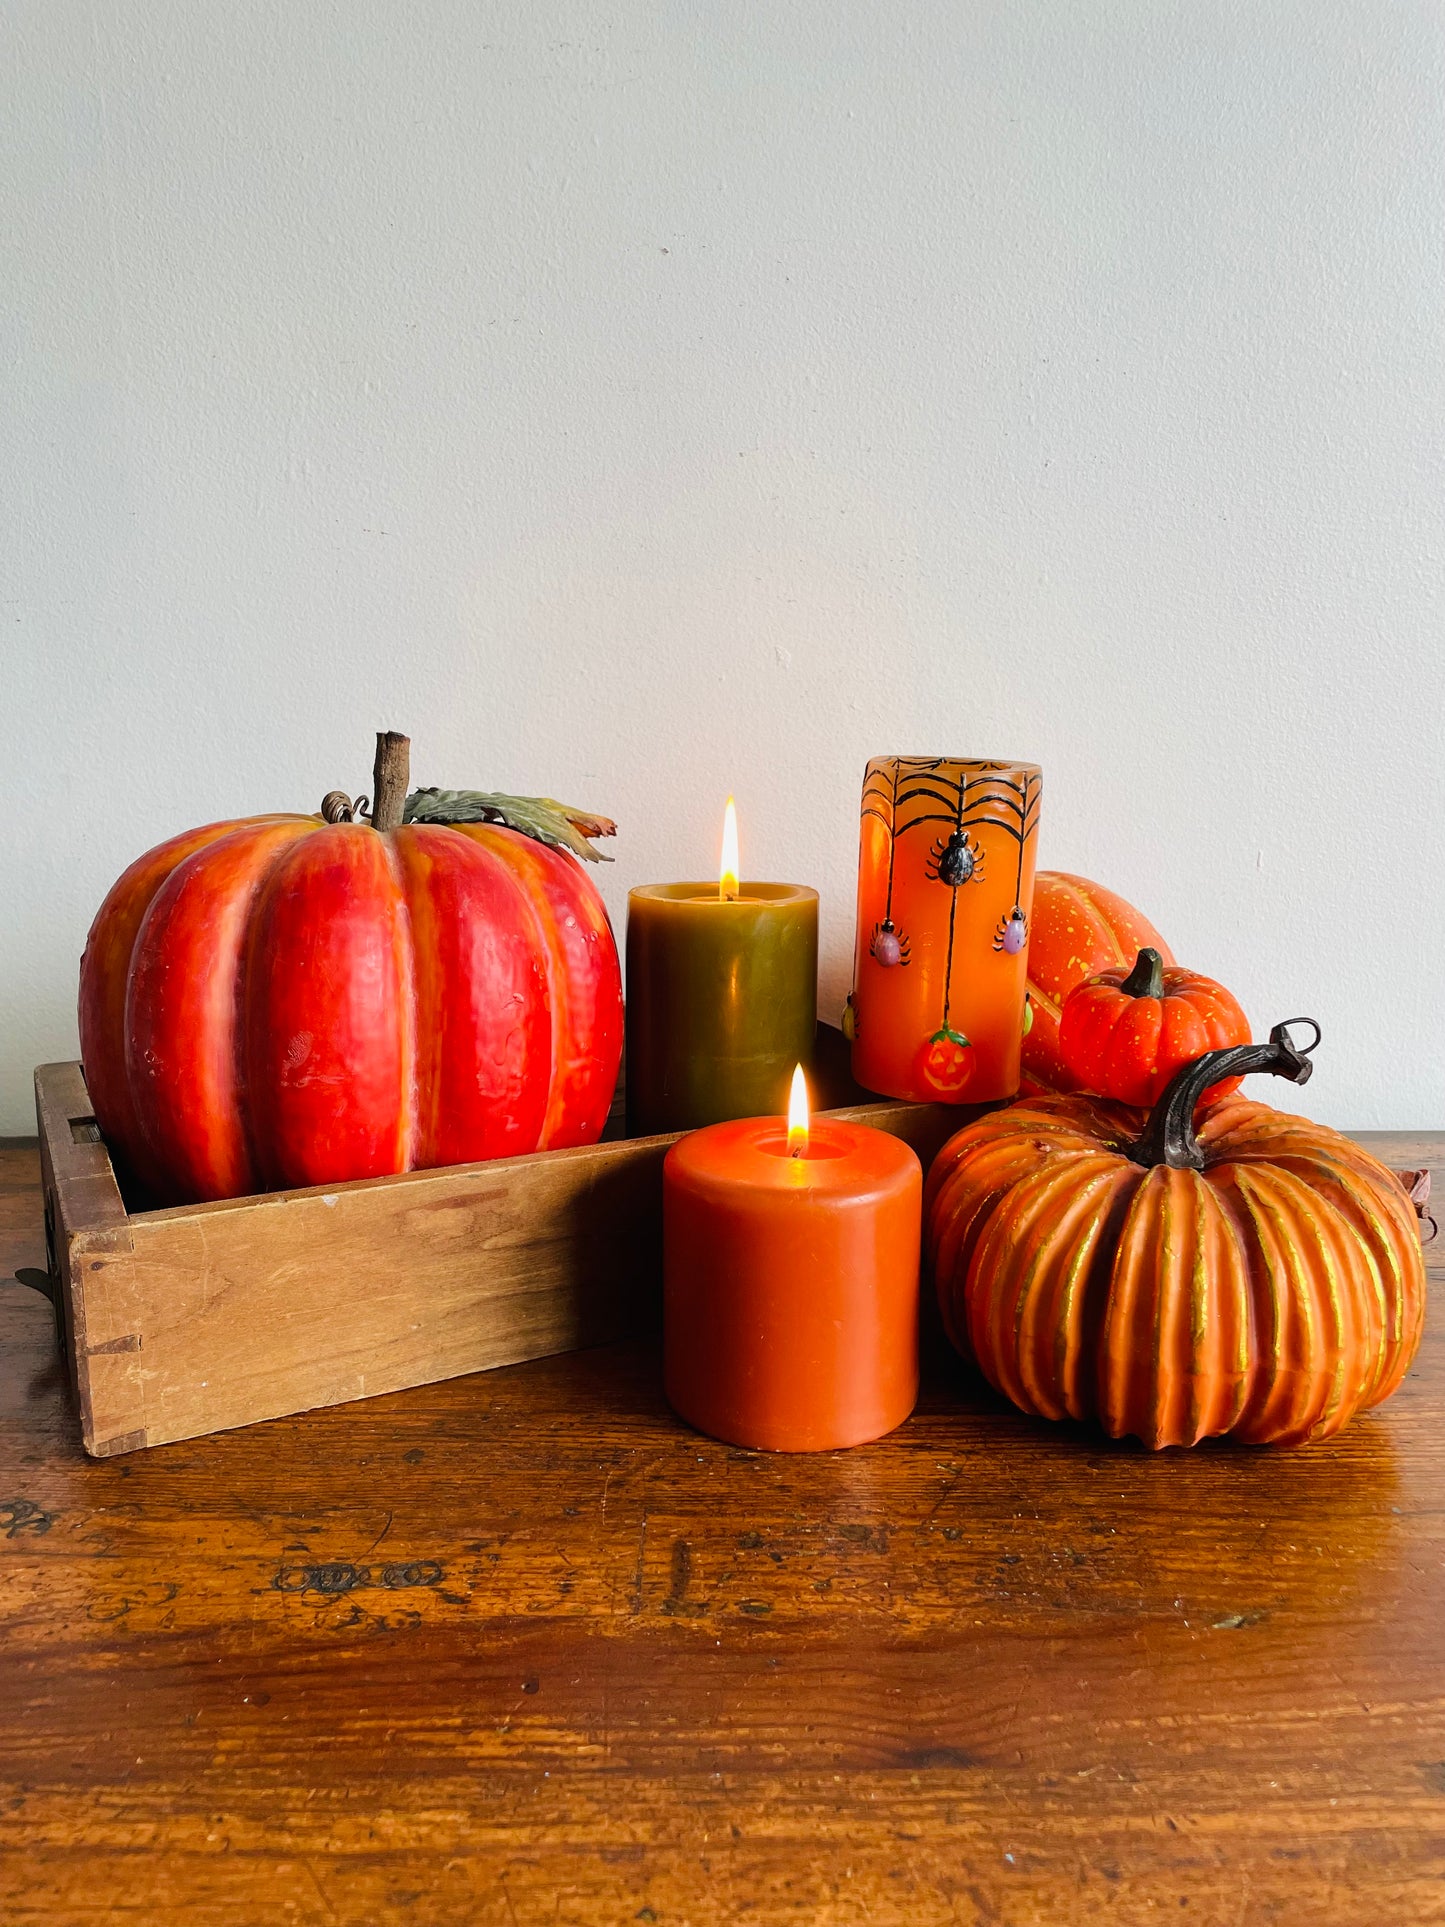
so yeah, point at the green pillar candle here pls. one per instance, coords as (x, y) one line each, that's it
(722, 1001)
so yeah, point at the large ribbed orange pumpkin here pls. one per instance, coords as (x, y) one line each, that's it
(1262, 1279)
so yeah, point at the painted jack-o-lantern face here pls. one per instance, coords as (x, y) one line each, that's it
(946, 1063)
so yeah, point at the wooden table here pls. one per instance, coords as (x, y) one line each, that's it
(522, 1649)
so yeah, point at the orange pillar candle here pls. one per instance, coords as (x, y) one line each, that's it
(790, 1282)
(945, 894)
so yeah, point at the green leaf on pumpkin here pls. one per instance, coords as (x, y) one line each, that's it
(948, 1035)
(541, 817)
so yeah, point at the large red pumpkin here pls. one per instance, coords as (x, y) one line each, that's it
(1077, 929)
(284, 1001)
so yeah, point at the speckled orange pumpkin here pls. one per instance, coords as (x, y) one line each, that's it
(1077, 928)
(1262, 1279)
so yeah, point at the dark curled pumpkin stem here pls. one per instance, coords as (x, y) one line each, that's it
(1169, 1135)
(1146, 979)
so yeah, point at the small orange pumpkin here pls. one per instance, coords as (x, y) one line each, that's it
(1262, 1279)
(1124, 1033)
(1077, 927)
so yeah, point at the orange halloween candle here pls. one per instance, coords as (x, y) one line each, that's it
(945, 892)
(791, 1281)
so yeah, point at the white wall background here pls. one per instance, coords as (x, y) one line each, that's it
(634, 401)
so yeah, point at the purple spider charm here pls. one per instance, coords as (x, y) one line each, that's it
(1012, 932)
(888, 946)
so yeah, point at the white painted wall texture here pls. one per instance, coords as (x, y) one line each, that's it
(636, 401)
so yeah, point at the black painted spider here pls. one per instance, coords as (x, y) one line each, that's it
(957, 861)
(888, 945)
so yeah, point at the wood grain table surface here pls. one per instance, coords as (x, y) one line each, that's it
(522, 1649)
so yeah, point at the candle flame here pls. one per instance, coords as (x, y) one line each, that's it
(798, 1115)
(727, 888)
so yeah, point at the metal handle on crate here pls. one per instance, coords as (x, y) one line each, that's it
(48, 1285)
(46, 1282)
(36, 1280)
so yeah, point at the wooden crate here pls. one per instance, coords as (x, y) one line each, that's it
(181, 1322)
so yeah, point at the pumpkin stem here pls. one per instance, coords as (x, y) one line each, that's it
(1169, 1134)
(1146, 979)
(389, 779)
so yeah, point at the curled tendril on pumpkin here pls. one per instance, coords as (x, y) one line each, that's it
(338, 807)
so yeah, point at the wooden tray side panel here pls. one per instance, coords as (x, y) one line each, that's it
(86, 1228)
(200, 1319)
(289, 1303)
